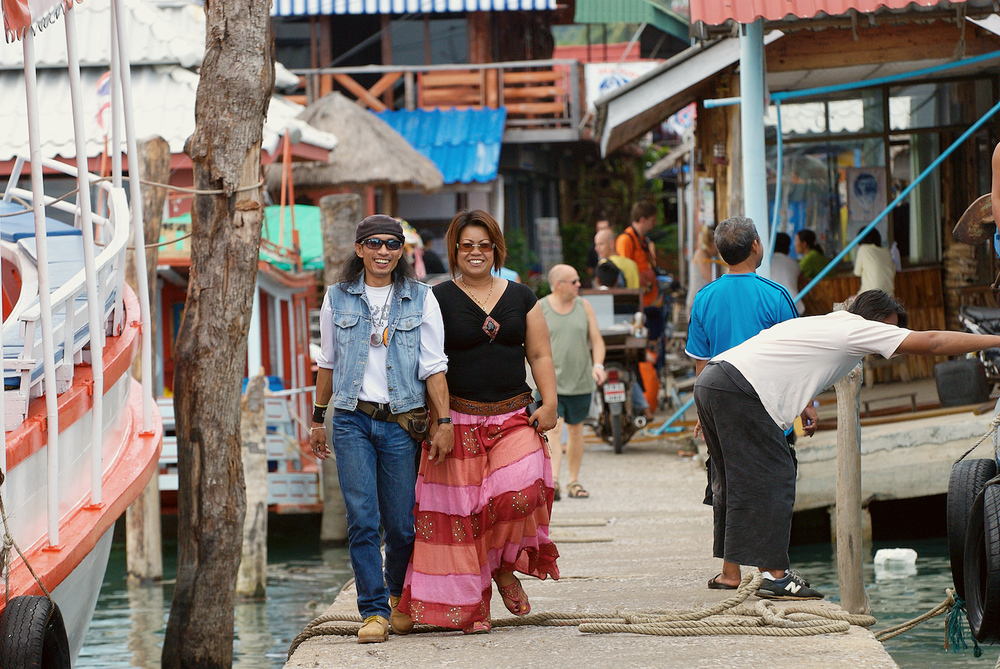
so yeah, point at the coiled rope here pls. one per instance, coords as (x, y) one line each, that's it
(728, 616)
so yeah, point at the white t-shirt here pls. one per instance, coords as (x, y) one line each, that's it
(875, 267)
(786, 271)
(374, 386)
(790, 363)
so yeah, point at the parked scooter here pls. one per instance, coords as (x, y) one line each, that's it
(617, 420)
(984, 320)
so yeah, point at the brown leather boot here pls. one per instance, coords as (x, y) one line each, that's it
(401, 623)
(375, 630)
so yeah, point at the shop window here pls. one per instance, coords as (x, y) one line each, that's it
(429, 41)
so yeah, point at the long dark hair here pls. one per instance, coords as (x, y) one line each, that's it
(355, 267)
(808, 237)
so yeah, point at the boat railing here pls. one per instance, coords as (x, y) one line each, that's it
(68, 305)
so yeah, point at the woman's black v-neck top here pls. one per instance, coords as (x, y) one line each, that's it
(479, 369)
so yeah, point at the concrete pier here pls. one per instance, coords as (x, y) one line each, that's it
(641, 542)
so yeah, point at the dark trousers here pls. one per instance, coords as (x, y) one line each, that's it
(754, 486)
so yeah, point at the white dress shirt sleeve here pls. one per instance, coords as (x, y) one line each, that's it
(432, 358)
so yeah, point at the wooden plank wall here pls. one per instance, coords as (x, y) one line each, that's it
(918, 289)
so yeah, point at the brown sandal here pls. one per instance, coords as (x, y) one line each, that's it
(514, 598)
(574, 489)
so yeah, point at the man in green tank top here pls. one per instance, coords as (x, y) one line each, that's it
(579, 369)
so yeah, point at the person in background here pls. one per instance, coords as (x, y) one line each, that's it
(593, 256)
(784, 269)
(811, 259)
(379, 318)
(702, 264)
(748, 396)
(432, 261)
(874, 265)
(634, 244)
(483, 513)
(578, 354)
(604, 243)
(727, 312)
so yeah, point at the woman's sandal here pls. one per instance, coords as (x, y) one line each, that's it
(574, 489)
(514, 598)
(557, 495)
(478, 627)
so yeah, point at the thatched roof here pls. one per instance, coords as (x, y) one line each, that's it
(370, 153)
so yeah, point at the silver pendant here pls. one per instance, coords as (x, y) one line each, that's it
(376, 339)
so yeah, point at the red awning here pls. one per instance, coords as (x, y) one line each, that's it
(718, 12)
(19, 15)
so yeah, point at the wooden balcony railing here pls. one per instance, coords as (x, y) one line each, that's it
(544, 98)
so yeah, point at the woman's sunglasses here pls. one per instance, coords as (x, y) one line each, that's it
(374, 243)
(469, 247)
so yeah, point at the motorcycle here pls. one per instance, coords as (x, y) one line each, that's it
(617, 419)
(984, 320)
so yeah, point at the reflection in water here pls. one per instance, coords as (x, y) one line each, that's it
(896, 598)
(129, 624)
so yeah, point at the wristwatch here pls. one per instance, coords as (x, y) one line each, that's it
(442, 421)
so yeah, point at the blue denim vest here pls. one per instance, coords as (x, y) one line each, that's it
(352, 323)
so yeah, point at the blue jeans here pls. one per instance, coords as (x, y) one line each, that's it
(376, 465)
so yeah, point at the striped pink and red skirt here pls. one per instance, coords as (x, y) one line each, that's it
(484, 509)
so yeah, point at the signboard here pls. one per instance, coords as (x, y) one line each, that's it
(602, 78)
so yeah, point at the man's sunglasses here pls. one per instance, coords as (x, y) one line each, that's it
(469, 247)
(374, 243)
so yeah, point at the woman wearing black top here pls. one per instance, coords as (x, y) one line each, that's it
(484, 512)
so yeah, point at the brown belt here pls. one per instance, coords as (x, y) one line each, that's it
(377, 411)
(490, 408)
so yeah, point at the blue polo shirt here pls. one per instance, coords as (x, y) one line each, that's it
(733, 308)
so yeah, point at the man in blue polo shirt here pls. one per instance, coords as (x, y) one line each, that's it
(725, 313)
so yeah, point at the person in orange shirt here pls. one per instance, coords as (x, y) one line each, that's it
(635, 245)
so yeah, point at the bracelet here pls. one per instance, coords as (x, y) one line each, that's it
(319, 413)
(598, 365)
(442, 421)
(313, 429)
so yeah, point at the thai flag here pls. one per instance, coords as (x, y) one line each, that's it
(103, 98)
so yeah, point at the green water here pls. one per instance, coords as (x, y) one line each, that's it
(896, 598)
(302, 580)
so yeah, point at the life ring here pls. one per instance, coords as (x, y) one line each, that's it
(982, 565)
(33, 635)
(968, 478)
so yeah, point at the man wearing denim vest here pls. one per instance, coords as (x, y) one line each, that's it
(382, 352)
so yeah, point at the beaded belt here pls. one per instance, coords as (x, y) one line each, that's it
(490, 408)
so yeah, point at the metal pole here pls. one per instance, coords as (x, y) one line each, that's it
(95, 301)
(44, 294)
(754, 159)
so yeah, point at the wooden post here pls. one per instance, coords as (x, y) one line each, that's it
(251, 579)
(853, 597)
(340, 215)
(143, 541)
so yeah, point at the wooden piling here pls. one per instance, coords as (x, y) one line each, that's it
(251, 579)
(340, 215)
(143, 540)
(850, 541)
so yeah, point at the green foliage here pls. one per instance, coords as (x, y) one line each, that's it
(520, 258)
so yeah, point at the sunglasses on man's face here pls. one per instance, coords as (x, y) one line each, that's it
(469, 247)
(374, 243)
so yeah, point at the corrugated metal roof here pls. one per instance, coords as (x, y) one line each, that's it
(328, 7)
(163, 100)
(632, 11)
(719, 12)
(463, 143)
(156, 36)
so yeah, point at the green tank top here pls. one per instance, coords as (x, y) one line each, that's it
(570, 352)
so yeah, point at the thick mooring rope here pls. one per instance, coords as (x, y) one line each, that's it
(729, 616)
(943, 607)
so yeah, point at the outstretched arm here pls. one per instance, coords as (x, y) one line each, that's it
(942, 342)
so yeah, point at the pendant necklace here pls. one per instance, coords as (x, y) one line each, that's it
(380, 336)
(490, 326)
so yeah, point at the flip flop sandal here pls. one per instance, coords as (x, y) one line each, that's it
(713, 584)
(574, 489)
(558, 495)
(514, 598)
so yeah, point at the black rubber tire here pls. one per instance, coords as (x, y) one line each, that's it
(33, 635)
(982, 565)
(617, 432)
(968, 478)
